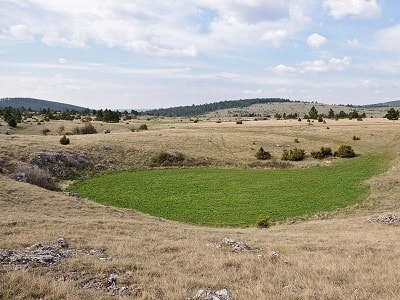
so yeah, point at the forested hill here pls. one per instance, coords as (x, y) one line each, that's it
(201, 109)
(37, 104)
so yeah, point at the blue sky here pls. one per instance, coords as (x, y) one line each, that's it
(151, 54)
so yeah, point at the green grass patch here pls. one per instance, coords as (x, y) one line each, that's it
(235, 197)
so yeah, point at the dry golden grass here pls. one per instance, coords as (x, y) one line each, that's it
(342, 257)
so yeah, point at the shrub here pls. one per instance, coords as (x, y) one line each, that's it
(356, 138)
(168, 158)
(294, 154)
(296, 141)
(12, 123)
(45, 131)
(239, 122)
(143, 127)
(88, 128)
(76, 130)
(345, 151)
(264, 221)
(322, 153)
(34, 175)
(262, 154)
(64, 140)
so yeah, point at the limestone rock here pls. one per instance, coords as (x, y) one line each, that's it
(223, 294)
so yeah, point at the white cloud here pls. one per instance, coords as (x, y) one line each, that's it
(315, 40)
(284, 69)
(250, 11)
(352, 43)
(275, 37)
(356, 8)
(337, 64)
(161, 28)
(389, 39)
(62, 60)
(21, 32)
(315, 66)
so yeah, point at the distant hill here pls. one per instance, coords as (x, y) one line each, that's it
(37, 104)
(395, 103)
(201, 109)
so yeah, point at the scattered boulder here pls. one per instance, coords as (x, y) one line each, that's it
(61, 165)
(37, 254)
(234, 245)
(223, 294)
(43, 255)
(292, 288)
(388, 218)
(110, 283)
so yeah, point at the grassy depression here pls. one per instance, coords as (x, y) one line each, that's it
(234, 197)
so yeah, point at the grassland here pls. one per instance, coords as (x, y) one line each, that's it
(234, 197)
(340, 257)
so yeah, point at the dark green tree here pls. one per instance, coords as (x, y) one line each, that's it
(392, 114)
(313, 114)
(12, 123)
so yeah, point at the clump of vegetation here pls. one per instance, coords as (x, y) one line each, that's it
(265, 221)
(294, 154)
(143, 127)
(356, 138)
(12, 123)
(296, 141)
(262, 154)
(88, 128)
(239, 122)
(322, 153)
(64, 140)
(34, 175)
(345, 151)
(392, 114)
(170, 158)
(45, 131)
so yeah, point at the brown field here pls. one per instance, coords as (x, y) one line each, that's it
(335, 256)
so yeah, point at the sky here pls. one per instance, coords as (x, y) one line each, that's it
(135, 54)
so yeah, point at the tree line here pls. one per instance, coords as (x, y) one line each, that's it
(201, 109)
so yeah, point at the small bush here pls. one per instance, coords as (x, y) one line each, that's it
(12, 123)
(76, 130)
(239, 122)
(345, 151)
(262, 154)
(34, 175)
(356, 138)
(45, 131)
(143, 127)
(64, 140)
(264, 221)
(322, 153)
(168, 158)
(88, 128)
(296, 141)
(294, 154)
